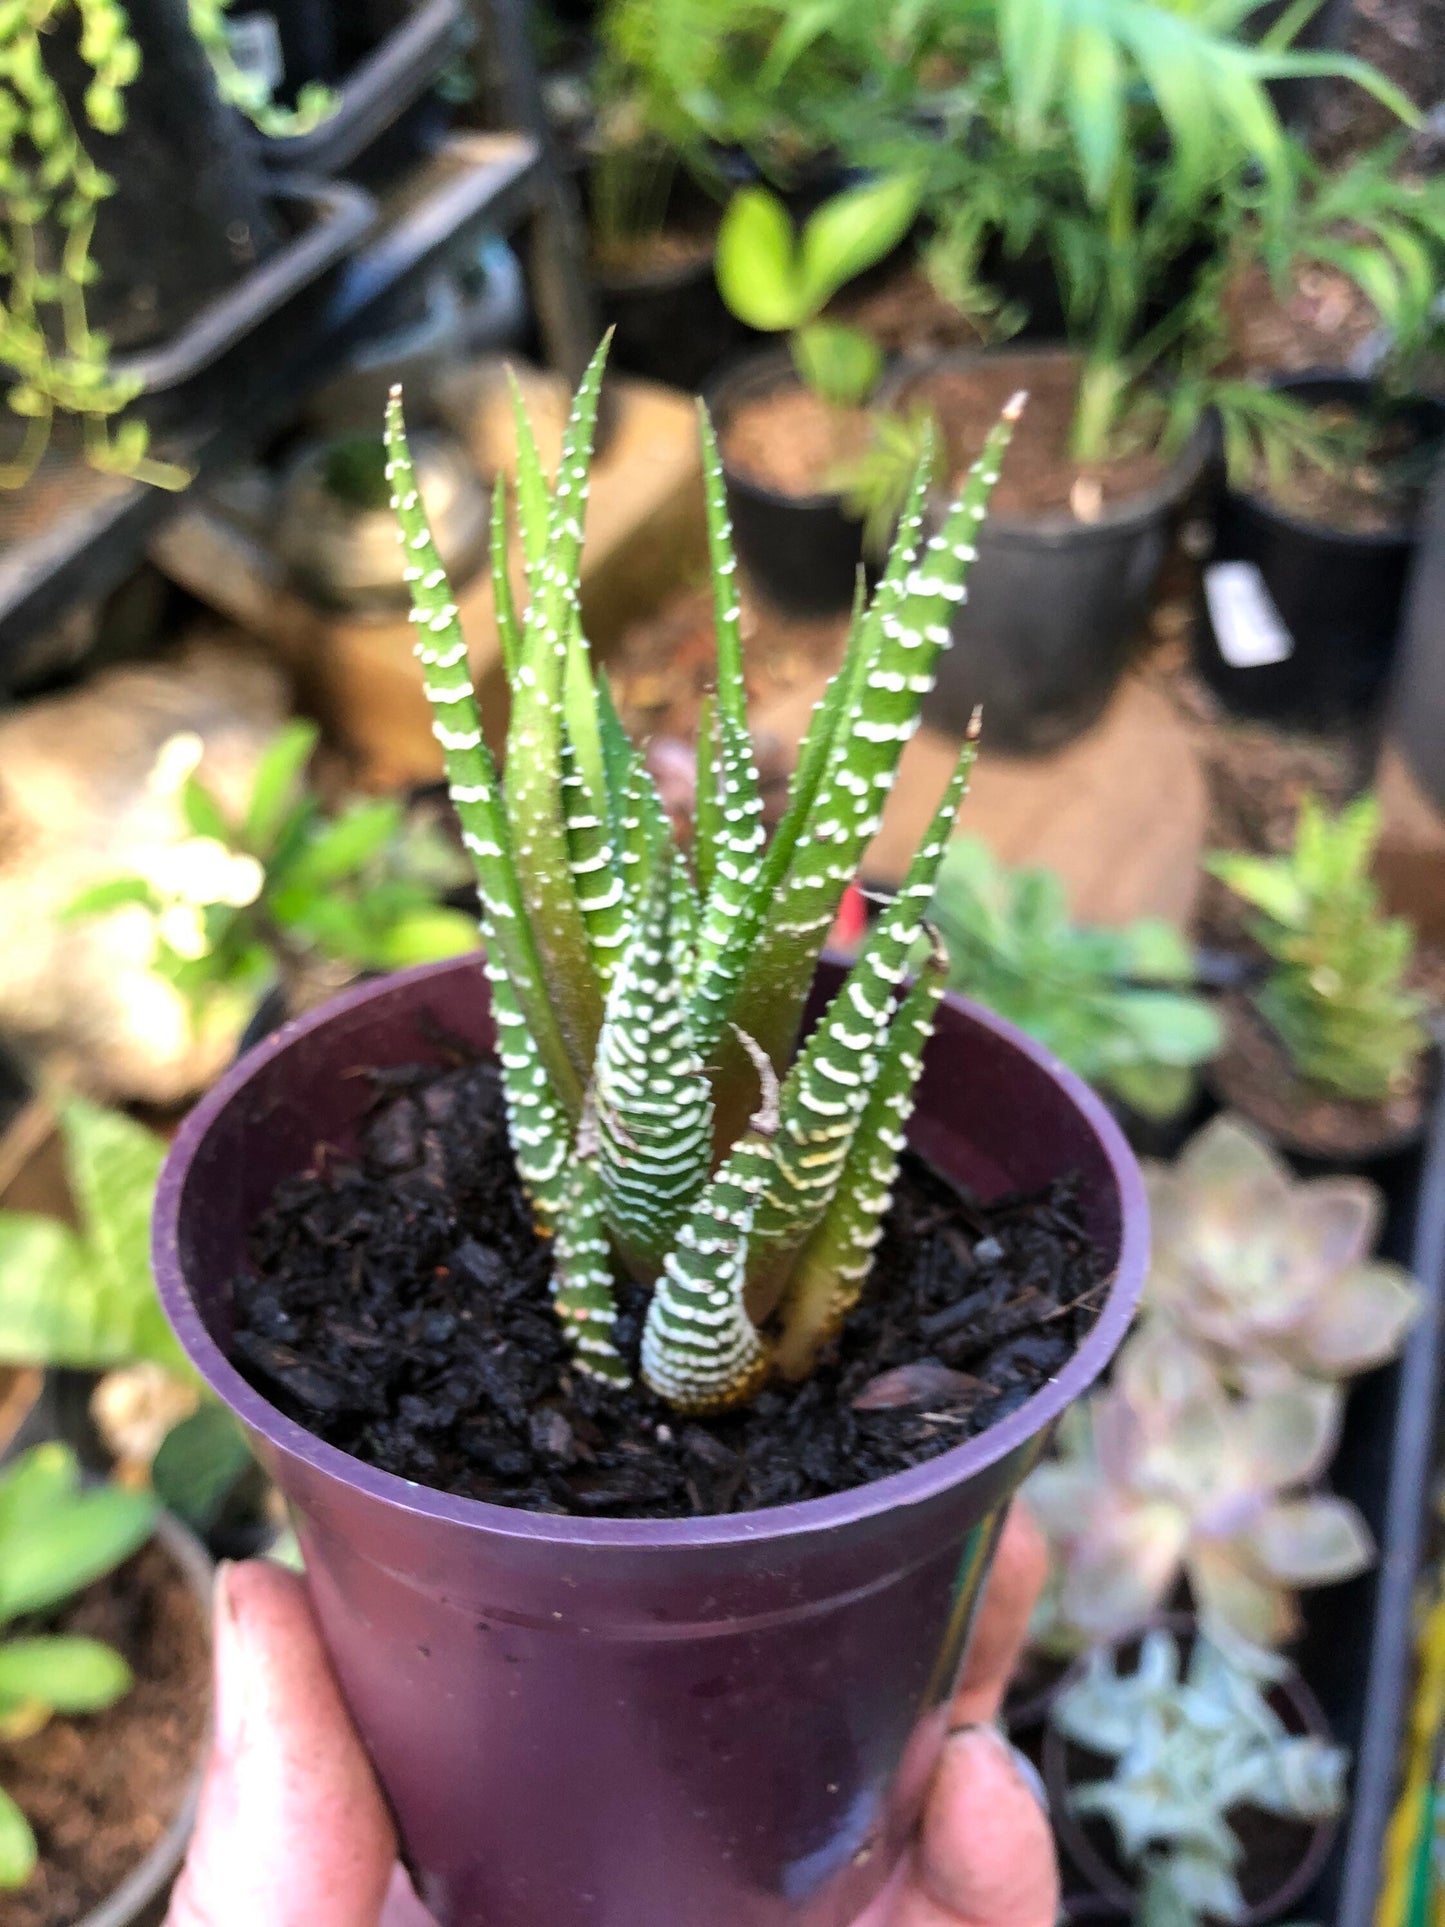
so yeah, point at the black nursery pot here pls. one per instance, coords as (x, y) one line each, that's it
(1054, 605)
(1298, 622)
(802, 551)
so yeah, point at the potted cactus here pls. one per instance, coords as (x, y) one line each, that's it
(1331, 1055)
(1222, 1791)
(620, 1429)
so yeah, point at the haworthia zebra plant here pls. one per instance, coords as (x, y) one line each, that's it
(647, 1003)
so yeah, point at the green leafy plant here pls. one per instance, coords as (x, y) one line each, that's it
(1114, 1004)
(282, 889)
(874, 485)
(1268, 1274)
(84, 1297)
(55, 1539)
(251, 93)
(1336, 998)
(1191, 1748)
(648, 1008)
(779, 279)
(50, 194)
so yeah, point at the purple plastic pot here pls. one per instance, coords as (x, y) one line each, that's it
(723, 1722)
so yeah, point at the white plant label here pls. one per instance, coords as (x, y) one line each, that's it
(1249, 629)
(256, 48)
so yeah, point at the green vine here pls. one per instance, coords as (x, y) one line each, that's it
(250, 94)
(50, 191)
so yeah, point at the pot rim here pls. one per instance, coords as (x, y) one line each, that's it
(915, 1486)
(150, 1876)
(1109, 1884)
(1403, 535)
(1056, 526)
(755, 376)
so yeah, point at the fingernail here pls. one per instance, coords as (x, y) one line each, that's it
(230, 1664)
(1020, 1765)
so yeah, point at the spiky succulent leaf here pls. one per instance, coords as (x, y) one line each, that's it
(653, 1100)
(534, 797)
(700, 1349)
(537, 1125)
(534, 503)
(471, 774)
(582, 1274)
(504, 607)
(592, 856)
(825, 1283)
(827, 1089)
(903, 634)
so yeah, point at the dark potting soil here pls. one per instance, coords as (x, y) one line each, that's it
(1375, 489)
(792, 441)
(661, 254)
(101, 1791)
(1039, 474)
(399, 1307)
(1252, 1074)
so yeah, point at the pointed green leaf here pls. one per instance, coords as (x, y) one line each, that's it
(18, 1851)
(582, 1278)
(504, 606)
(69, 1675)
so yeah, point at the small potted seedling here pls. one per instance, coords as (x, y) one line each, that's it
(606, 1392)
(1330, 1055)
(1115, 1004)
(1193, 1782)
(794, 425)
(102, 1640)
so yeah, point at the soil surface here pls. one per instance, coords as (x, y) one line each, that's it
(101, 1791)
(1377, 494)
(1039, 474)
(1252, 1074)
(399, 1308)
(1319, 322)
(791, 441)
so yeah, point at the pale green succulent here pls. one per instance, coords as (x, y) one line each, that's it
(647, 1003)
(1168, 1475)
(1190, 1751)
(1271, 1273)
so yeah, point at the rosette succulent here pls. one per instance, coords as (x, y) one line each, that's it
(1191, 1748)
(1272, 1274)
(1167, 1475)
(648, 1004)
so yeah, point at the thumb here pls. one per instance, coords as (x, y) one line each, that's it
(985, 1857)
(292, 1830)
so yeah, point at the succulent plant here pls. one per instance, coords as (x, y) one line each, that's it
(55, 1538)
(1269, 1273)
(647, 1007)
(1336, 998)
(1167, 1475)
(1115, 1005)
(1189, 1751)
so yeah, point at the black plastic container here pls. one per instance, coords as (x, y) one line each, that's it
(189, 216)
(205, 364)
(1055, 606)
(1417, 698)
(1298, 623)
(801, 551)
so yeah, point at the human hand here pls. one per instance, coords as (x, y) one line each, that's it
(293, 1830)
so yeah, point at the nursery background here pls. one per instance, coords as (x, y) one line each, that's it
(1201, 860)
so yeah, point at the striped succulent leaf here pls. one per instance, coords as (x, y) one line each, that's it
(641, 1007)
(653, 1099)
(830, 1272)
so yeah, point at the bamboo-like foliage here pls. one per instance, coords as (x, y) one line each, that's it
(648, 1001)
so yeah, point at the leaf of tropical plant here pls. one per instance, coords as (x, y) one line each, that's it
(46, 1305)
(38, 1483)
(110, 895)
(114, 1166)
(18, 1851)
(1031, 40)
(425, 936)
(1094, 104)
(64, 1550)
(274, 786)
(203, 814)
(850, 232)
(200, 1463)
(841, 364)
(67, 1674)
(758, 272)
